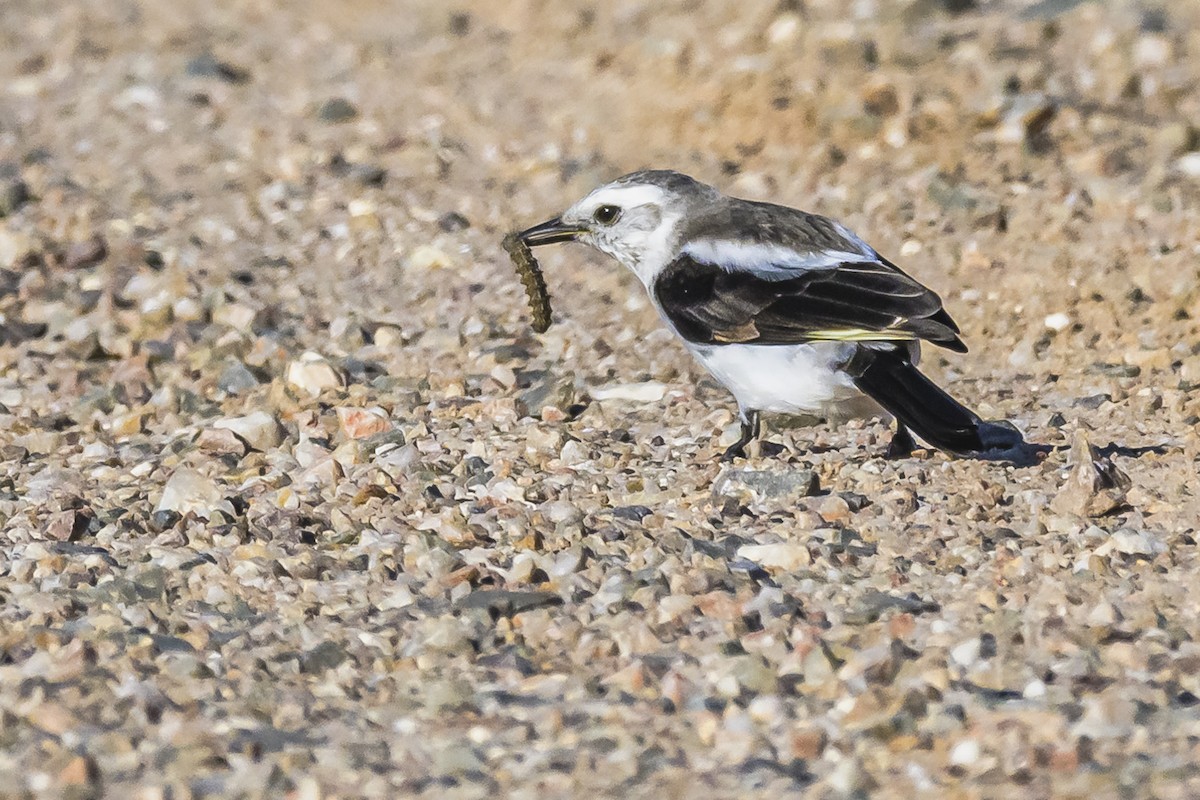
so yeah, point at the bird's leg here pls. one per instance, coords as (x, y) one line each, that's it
(750, 428)
(902, 443)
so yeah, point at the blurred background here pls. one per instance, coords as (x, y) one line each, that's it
(380, 148)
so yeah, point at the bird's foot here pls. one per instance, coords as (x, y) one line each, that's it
(734, 451)
(901, 446)
(770, 449)
(750, 430)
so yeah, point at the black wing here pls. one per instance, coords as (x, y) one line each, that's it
(855, 301)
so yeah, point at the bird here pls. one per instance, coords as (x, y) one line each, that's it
(790, 311)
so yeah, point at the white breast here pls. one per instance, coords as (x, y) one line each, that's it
(789, 379)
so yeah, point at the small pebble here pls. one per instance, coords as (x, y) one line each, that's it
(206, 65)
(311, 373)
(337, 109)
(86, 254)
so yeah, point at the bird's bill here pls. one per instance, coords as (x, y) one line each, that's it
(552, 231)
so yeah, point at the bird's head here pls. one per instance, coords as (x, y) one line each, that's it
(635, 219)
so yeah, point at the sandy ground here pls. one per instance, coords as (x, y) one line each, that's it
(294, 504)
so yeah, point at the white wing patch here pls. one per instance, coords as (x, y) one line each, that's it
(851, 237)
(768, 261)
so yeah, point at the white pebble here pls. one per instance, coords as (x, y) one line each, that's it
(313, 374)
(965, 753)
(574, 453)
(786, 556)
(189, 491)
(1190, 165)
(1057, 321)
(647, 392)
(427, 257)
(1133, 543)
(260, 430)
(1152, 51)
(783, 29)
(966, 653)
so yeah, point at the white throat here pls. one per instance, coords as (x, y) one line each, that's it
(649, 254)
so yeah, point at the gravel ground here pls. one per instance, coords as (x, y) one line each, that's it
(294, 503)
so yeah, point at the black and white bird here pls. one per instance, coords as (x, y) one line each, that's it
(790, 311)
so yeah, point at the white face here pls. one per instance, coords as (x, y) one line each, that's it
(634, 223)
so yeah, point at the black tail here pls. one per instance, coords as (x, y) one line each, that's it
(890, 379)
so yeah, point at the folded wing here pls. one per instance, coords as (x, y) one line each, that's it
(860, 300)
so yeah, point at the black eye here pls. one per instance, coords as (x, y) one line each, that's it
(607, 215)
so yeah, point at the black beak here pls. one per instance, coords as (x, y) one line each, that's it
(552, 231)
